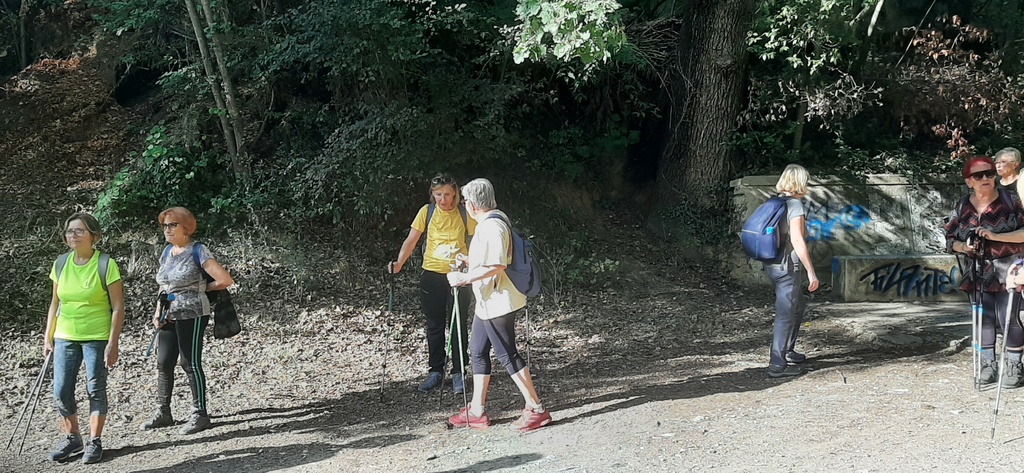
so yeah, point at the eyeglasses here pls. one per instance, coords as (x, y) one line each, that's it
(986, 174)
(442, 181)
(78, 232)
(170, 225)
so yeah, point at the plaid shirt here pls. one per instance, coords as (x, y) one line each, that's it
(1005, 214)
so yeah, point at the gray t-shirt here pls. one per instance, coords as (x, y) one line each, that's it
(794, 209)
(179, 275)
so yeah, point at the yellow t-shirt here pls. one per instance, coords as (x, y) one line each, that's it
(491, 246)
(85, 313)
(445, 238)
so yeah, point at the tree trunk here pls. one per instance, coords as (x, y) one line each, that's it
(708, 94)
(218, 94)
(26, 5)
(229, 88)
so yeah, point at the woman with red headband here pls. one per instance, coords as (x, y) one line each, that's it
(983, 227)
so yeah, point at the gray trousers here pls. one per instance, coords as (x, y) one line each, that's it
(789, 308)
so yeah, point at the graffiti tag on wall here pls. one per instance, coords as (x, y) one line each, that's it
(917, 279)
(850, 218)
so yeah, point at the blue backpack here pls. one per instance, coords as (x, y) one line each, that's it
(760, 234)
(523, 270)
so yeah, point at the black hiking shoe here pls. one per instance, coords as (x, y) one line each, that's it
(196, 423)
(432, 382)
(988, 372)
(93, 451)
(68, 446)
(161, 418)
(788, 370)
(1013, 374)
(795, 358)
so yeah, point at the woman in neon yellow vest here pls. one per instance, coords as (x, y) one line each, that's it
(83, 325)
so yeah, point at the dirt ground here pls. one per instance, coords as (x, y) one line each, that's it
(666, 391)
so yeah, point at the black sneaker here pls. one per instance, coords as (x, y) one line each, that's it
(1013, 374)
(788, 370)
(794, 357)
(162, 418)
(196, 423)
(988, 372)
(433, 381)
(68, 446)
(93, 451)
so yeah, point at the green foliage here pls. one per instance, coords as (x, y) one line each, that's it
(587, 32)
(166, 174)
(808, 36)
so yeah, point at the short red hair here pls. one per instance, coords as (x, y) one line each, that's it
(184, 218)
(977, 160)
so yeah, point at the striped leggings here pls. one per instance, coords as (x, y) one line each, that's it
(182, 339)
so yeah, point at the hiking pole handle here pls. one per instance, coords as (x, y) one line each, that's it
(164, 302)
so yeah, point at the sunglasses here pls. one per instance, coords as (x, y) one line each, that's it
(442, 181)
(986, 174)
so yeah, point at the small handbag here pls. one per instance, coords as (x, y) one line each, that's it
(225, 319)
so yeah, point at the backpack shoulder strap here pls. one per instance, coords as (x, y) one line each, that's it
(166, 253)
(430, 214)
(104, 264)
(465, 222)
(62, 261)
(196, 248)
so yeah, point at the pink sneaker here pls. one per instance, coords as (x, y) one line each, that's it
(466, 419)
(531, 420)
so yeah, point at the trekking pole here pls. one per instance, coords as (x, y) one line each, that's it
(164, 300)
(1002, 355)
(457, 319)
(39, 394)
(387, 334)
(34, 394)
(978, 308)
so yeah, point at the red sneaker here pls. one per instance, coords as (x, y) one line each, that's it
(531, 420)
(466, 419)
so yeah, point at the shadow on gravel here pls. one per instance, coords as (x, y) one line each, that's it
(254, 460)
(510, 461)
(854, 357)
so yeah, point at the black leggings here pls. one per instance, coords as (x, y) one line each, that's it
(993, 316)
(184, 338)
(499, 332)
(436, 300)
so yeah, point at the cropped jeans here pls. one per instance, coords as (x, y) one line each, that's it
(67, 359)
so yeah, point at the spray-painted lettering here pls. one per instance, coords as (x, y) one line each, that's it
(850, 218)
(918, 280)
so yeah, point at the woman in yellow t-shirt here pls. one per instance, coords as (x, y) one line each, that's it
(83, 325)
(447, 228)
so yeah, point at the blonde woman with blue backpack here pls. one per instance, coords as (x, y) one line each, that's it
(787, 272)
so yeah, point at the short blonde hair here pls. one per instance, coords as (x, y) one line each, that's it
(184, 217)
(793, 180)
(1012, 153)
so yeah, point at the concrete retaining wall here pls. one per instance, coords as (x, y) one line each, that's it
(933, 278)
(881, 215)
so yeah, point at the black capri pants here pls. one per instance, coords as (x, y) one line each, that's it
(499, 332)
